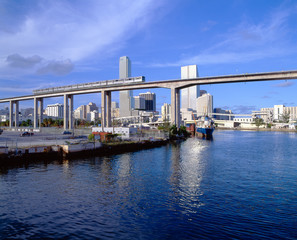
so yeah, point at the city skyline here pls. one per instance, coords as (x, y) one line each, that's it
(228, 37)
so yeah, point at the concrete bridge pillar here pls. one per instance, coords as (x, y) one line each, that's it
(66, 112)
(40, 111)
(16, 114)
(70, 111)
(103, 109)
(175, 106)
(35, 114)
(106, 109)
(10, 113)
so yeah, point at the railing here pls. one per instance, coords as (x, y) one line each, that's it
(91, 85)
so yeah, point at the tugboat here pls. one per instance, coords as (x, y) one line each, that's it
(205, 126)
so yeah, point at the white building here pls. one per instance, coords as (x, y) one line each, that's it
(187, 114)
(93, 116)
(189, 95)
(55, 110)
(277, 111)
(124, 132)
(243, 120)
(166, 112)
(126, 97)
(3, 118)
(204, 104)
(83, 111)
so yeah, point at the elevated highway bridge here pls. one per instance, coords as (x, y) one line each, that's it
(175, 85)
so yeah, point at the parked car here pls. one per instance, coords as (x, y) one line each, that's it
(66, 132)
(25, 134)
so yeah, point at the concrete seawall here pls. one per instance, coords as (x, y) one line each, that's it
(71, 151)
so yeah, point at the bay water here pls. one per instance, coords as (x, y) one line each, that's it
(240, 185)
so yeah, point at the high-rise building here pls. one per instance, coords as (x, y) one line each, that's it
(166, 112)
(150, 101)
(189, 95)
(82, 111)
(55, 110)
(139, 103)
(202, 92)
(126, 97)
(205, 104)
(114, 105)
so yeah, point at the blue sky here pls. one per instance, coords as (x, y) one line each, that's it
(46, 43)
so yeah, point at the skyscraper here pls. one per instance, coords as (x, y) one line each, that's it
(126, 97)
(189, 95)
(205, 104)
(166, 112)
(150, 101)
(139, 103)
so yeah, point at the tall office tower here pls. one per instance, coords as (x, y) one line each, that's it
(202, 92)
(91, 107)
(166, 112)
(189, 95)
(139, 103)
(126, 97)
(150, 101)
(205, 104)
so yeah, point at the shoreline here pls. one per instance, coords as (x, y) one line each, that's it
(258, 129)
(47, 153)
(72, 152)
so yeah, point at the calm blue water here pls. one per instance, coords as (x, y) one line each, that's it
(241, 185)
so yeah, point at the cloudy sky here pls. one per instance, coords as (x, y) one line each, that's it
(46, 43)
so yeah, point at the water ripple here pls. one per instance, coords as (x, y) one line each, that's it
(229, 188)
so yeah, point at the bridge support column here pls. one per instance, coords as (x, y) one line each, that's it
(40, 111)
(35, 120)
(16, 114)
(66, 112)
(108, 108)
(70, 111)
(103, 109)
(10, 114)
(175, 106)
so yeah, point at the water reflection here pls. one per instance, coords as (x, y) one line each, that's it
(188, 168)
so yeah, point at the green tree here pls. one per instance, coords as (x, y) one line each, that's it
(259, 122)
(173, 130)
(285, 117)
(183, 131)
(91, 137)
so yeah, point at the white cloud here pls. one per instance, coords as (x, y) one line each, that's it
(285, 84)
(74, 30)
(244, 43)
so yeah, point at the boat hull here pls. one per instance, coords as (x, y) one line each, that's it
(205, 132)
